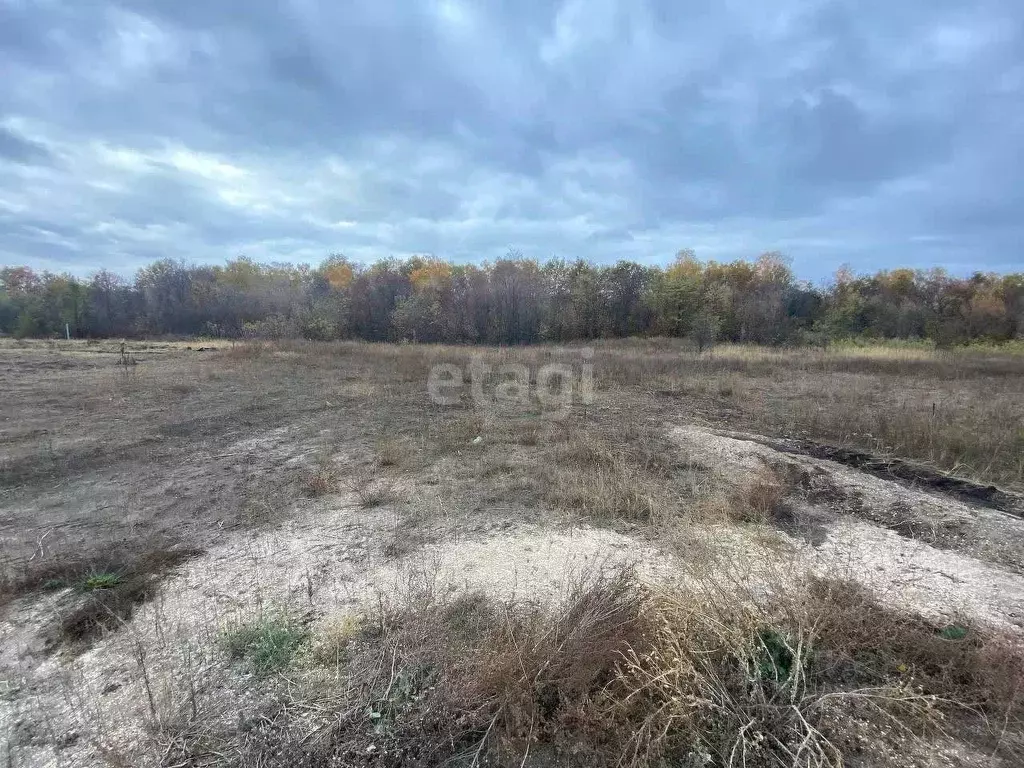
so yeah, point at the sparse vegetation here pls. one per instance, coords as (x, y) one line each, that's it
(333, 640)
(627, 480)
(762, 499)
(618, 674)
(108, 599)
(101, 581)
(371, 489)
(391, 452)
(393, 555)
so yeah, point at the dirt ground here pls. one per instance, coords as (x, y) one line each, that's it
(215, 482)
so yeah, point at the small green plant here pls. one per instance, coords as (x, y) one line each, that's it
(773, 658)
(407, 687)
(100, 581)
(953, 632)
(268, 645)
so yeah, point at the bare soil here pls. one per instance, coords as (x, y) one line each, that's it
(312, 481)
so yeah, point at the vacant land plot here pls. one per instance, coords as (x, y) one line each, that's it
(291, 554)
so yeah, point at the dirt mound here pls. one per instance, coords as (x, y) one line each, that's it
(914, 474)
(939, 555)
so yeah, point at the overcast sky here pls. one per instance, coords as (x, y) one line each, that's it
(876, 133)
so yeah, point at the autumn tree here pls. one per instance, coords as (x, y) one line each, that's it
(513, 300)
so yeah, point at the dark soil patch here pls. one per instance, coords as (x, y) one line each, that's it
(917, 475)
(103, 593)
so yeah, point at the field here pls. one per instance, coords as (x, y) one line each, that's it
(290, 553)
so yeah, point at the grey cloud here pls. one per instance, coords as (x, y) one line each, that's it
(21, 150)
(837, 130)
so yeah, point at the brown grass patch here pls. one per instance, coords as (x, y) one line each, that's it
(762, 498)
(632, 477)
(324, 477)
(392, 452)
(813, 675)
(371, 490)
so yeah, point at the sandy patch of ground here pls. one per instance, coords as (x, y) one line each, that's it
(959, 574)
(326, 559)
(317, 565)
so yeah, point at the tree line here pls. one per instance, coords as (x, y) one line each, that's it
(513, 300)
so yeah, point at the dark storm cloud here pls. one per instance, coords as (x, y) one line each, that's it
(866, 132)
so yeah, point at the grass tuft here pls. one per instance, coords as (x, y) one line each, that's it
(392, 452)
(267, 646)
(101, 581)
(324, 478)
(371, 490)
(762, 499)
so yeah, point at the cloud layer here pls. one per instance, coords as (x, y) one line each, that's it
(874, 133)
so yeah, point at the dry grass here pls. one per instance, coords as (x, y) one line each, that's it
(763, 497)
(392, 452)
(807, 673)
(605, 482)
(371, 489)
(791, 672)
(332, 643)
(455, 432)
(959, 410)
(618, 675)
(815, 674)
(324, 478)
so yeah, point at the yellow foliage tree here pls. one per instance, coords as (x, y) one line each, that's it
(339, 276)
(432, 275)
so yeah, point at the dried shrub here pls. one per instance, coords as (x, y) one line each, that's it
(323, 479)
(763, 497)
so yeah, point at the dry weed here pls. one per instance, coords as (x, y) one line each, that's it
(392, 452)
(324, 478)
(807, 673)
(763, 497)
(630, 481)
(371, 489)
(332, 641)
